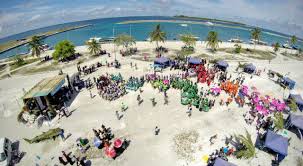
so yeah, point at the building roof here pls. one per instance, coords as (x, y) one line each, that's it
(276, 142)
(46, 86)
(222, 63)
(298, 99)
(297, 120)
(195, 61)
(161, 60)
(221, 162)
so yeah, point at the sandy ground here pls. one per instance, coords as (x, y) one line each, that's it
(138, 122)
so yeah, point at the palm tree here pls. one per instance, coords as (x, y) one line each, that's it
(36, 46)
(293, 40)
(276, 46)
(157, 35)
(249, 148)
(256, 35)
(93, 46)
(189, 40)
(278, 121)
(212, 40)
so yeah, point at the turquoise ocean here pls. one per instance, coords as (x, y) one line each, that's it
(108, 27)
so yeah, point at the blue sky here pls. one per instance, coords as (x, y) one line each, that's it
(21, 15)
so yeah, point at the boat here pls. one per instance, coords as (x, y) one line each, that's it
(253, 41)
(197, 38)
(45, 47)
(287, 45)
(98, 39)
(107, 39)
(235, 40)
(183, 25)
(209, 23)
(147, 39)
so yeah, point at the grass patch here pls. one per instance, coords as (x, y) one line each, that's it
(298, 57)
(255, 54)
(16, 64)
(37, 69)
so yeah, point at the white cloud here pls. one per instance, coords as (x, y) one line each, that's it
(34, 18)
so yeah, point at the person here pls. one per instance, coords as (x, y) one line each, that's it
(189, 111)
(212, 138)
(62, 160)
(139, 99)
(165, 100)
(68, 159)
(117, 115)
(153, 101)
(157, 130)
(62, 134)
(96, 134)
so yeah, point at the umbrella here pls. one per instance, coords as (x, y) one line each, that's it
(97, 142)
(110, 152)
(259, 107)
(256, 99)
(205, 158)
(118, 143)
(165, 82)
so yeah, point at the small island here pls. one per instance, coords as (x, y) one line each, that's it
(207, 19)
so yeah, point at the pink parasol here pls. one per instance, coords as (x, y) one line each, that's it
(165, 82)
(110, 152)
(281, 106)
(244, 87)
(265, 111)
(259, 107)
(118, 143)
(256, 99)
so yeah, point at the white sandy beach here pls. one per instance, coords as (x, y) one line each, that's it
(139, 122)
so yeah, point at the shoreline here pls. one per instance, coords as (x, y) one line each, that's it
(43, 36)
(224, 44)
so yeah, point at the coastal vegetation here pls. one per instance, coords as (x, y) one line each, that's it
(238, 48)
(213, 40)
(189, 41)
(94, 47)
(256, 35)
(278, 121)
(157, 35)
(63, 50)
(293, 40)
(124, 40)
(19, 61)
(248, 150)
(36, 46)
(276, 47)
(207, 19)
(293, 105)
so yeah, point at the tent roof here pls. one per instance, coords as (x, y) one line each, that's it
(161, 60)
(250, 66)
(296, 120)
(276, 142)
(221, 162)
(288, 80)
(222, 63)
(45, 86)
(195, 61)
(297, 98)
